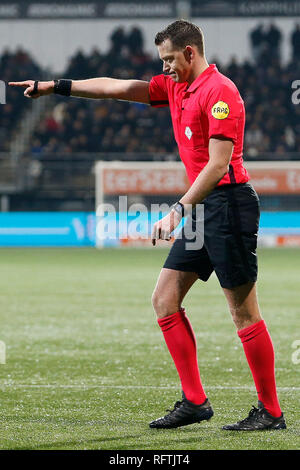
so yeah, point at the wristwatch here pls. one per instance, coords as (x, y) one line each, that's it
(179, 208)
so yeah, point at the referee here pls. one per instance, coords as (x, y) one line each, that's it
(208, 118)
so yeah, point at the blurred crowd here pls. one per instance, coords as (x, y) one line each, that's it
(266, 42)
(16, 66)
(78, 126)
(107, 126)
(273, 121)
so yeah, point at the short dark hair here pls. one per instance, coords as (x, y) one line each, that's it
(182, 33)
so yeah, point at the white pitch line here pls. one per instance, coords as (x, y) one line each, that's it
(125, 387)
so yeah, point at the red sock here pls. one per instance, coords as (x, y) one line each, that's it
(181, 341)
(259, 352)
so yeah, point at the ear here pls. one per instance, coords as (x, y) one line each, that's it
(189, 53)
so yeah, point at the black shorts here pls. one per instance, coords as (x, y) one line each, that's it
(231, 219)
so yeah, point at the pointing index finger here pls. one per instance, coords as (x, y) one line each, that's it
(24, 84)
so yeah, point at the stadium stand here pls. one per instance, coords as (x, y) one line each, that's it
(75, 126)
(57, 163)
(295, 42)
(19, 65)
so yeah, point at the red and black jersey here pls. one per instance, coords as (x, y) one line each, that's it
(210, 107)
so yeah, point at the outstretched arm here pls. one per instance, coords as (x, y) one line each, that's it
(97, 88)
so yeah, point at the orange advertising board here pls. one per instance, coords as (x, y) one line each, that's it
(266, 177)
(275, 180)
(144, 181)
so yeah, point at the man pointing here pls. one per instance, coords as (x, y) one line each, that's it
(208, 118)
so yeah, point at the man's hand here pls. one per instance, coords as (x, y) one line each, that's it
(164, 227)
(43, 88)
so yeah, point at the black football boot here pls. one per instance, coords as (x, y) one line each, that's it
(184, 412)
(259, 419)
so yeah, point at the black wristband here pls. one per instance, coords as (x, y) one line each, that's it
(62, 87)
(35, 88)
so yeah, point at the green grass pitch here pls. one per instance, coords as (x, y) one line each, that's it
(87, 367)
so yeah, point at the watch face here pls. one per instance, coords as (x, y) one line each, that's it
(178, 208)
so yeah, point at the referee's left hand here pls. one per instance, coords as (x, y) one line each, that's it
(163, 228)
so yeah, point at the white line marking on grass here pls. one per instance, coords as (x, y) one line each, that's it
(125, 387)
